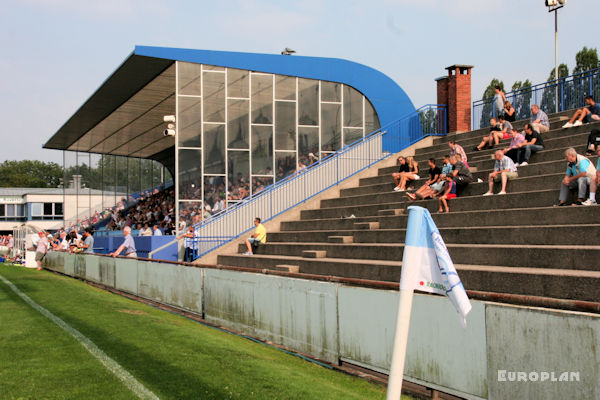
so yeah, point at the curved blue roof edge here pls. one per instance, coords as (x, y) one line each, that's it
(387, 97)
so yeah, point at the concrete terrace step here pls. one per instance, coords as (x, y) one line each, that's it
(520, 255)
(541, 234)
(534, 216)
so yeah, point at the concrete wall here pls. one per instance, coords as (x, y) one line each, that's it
(501, 344)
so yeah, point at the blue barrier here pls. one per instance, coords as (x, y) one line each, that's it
(571, 92)
(143, 244)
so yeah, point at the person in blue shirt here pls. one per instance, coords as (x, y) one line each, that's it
(590, 113)
(580, 173)
(128, 245)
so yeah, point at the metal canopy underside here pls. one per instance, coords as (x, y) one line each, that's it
(144, 88)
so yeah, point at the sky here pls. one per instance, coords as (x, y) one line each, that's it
(56, 53)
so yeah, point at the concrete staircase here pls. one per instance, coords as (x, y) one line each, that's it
(519, 243)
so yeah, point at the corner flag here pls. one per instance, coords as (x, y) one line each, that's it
(426, 266)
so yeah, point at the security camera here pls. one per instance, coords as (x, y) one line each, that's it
(169, 118)
(170, 131)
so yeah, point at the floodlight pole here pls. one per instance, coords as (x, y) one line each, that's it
(555, 10)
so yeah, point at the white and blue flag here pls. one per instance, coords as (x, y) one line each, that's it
(426, 264)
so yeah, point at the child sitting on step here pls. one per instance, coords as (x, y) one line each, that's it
(448, 193)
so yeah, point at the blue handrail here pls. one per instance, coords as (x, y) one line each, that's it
(308, 182)
(571, 94)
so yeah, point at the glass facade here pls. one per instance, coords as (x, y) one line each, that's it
(241, 131)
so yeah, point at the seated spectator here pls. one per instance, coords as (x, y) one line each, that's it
(259, 237)
(504, 169)
(411, 175)
(434, 176)
(146, 231)
(533, 143)
(593, 142)
(513, 148)
(493, 138)
(591, 201)
(402, 168)
(460, 172)
(588, 114)
(157, 231)
(457, 149)
(509, 112)
(579, 175)
(539, 120)
(461, 160)
(449, 193)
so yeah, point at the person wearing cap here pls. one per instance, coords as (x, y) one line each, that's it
(128, 245)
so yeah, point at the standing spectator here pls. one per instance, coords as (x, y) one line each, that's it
(128, 245)
(188, 244)
(457, 149)
(579, 175)
(10, 245)
(41, 249)
(449, 193)
(63, 244)
(588, 114)
(88, 242)
(513, 149)
(499, 100)
(504, 169)
(509, 112)
(460, 172)
(157, 231)
(411, 175)
(539, 120)
(594, 184)
(259, 237)
(533, 143)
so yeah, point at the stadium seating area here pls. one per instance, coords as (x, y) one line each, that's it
(518, 243)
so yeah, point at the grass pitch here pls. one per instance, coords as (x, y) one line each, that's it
(172, 356)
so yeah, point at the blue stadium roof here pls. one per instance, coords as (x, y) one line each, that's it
(110, 120)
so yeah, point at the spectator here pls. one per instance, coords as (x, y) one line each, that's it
(457, 149)
(41, 249)
(10, 245)
(259, 237)
(128, 245)
(594, 184)
(460, 172)
(593, 142)
(504, 169)
(459, 157)
(539, 120)
(533, 143)
(509, 112)
(411, 175)
(514, 146)
(88, 242)
(146, 231)
(493, 138)
(499, 100)
(157, 231)
(588, 114)
(188, 244)
(579, 175)
(449, 193)
(426, 190)
(63, 244)
(506, 127)
(402, 169)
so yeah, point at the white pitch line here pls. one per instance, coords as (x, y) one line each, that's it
(129, 380)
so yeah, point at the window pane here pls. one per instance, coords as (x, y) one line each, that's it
(214, 96)
(133, 172)
(58, 208)
(331, 130)
(239, 175)
(190, 173)
(237, 83)
(331, 91)
(371, 119)
(214, 194)
(285, 164)
(48, 209)
(351, 135)
(36, 210)
(2, 210)
(214, 149)
(308, 146)
(237, 126)
(262, 150)
(190, 211)
(285, 125)
(262, 99)
(308, 102)
(20, 209)
(285, 87)
(353, 108)
(259, 183)
(188, 78)
(190, 116)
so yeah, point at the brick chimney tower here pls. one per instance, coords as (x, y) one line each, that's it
(454, 90)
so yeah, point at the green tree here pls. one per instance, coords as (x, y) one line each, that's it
(521, 100)
(563, 72)
(30, 174)
(585, 60)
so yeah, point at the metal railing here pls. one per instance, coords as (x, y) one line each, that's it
(308, 182)
(571, 94)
